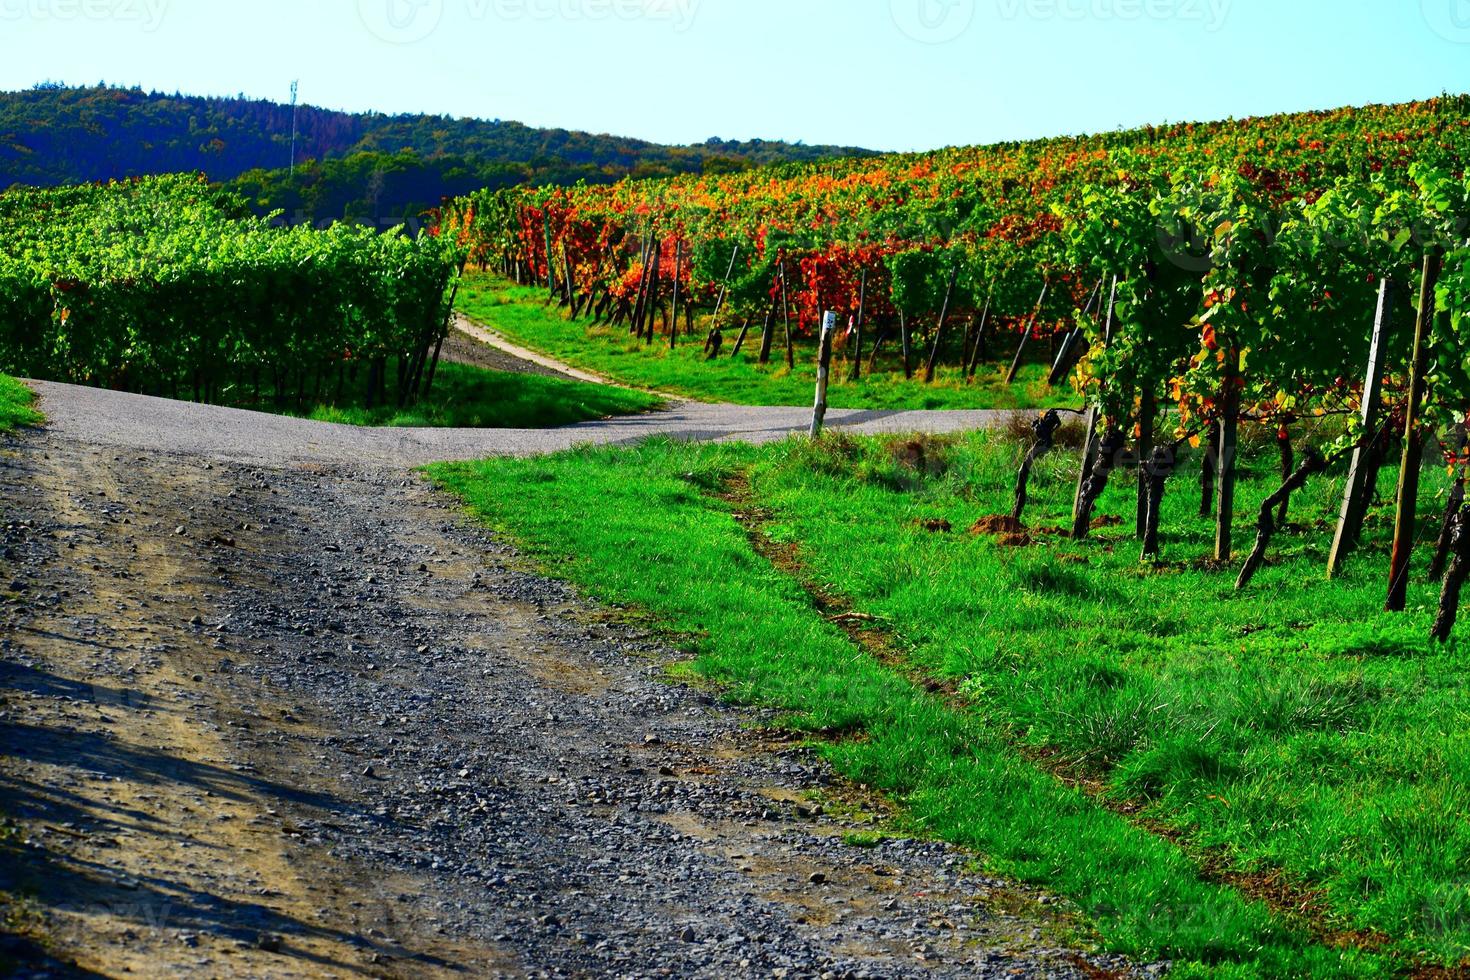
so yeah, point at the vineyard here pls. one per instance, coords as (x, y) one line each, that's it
(164, 286)
(1305, 276)
(1177, 646)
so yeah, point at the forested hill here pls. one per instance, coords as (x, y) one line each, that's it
(53, 135)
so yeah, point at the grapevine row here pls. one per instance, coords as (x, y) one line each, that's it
(1191, 280)
(164, 286)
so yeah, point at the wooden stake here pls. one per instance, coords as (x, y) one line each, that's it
(550, 270)
(1062, 366)
(1225, 464)
(674, 321)
(1030, 327)
(744, 329)
(725, 291)
(569, 283)
(954, 277)
(636, 327)
(908, 346)
(768, 333)
(979, 341)
(786, 312)
(1359, 494)
(650, 306)
(857, 357)
(824, 371)
(1407, 511)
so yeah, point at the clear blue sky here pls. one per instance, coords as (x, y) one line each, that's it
(889, 74)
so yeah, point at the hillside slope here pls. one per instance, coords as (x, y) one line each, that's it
(54, 134)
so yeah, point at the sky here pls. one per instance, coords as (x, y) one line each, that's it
(884, 74)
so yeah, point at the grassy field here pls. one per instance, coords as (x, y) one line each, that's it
(1267, 784)
(16, 402)
(522, 315)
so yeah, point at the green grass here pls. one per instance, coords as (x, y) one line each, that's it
(522, 315)
(462, 397)
(16, 401)
(466, 397)
(1295, 727)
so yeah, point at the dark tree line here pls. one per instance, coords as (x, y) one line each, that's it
(390, 165)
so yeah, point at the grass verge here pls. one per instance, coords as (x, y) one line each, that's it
(16, 405)
(1292, 742)
(520, 314)
(467, 397)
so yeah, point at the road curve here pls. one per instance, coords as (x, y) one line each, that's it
(140, 422)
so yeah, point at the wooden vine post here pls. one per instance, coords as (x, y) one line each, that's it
(1225, 462)
(857, 357)
(550, 264)
(570, 283)
(1359, 493)
(642, 298)
(765, 329)
(1025, 337)
(979, 346)
(954, 277)
(444, 331)
(786, 312)
(674, 320)
(907, 340)
(1066, 357)
(824, 372)
(650, 305)
(1407, 510)
(720, 303)
(1091, 441)
(768, 333)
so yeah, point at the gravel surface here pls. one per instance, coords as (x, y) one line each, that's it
(269, 706)
(477, 340)
(468, 344)
(311, 721)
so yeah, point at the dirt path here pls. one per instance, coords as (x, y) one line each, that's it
(308, 721)
(490, 349)
(142, 424)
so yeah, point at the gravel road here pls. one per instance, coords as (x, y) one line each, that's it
(137, 422)
(474, 343)
(270, 706)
